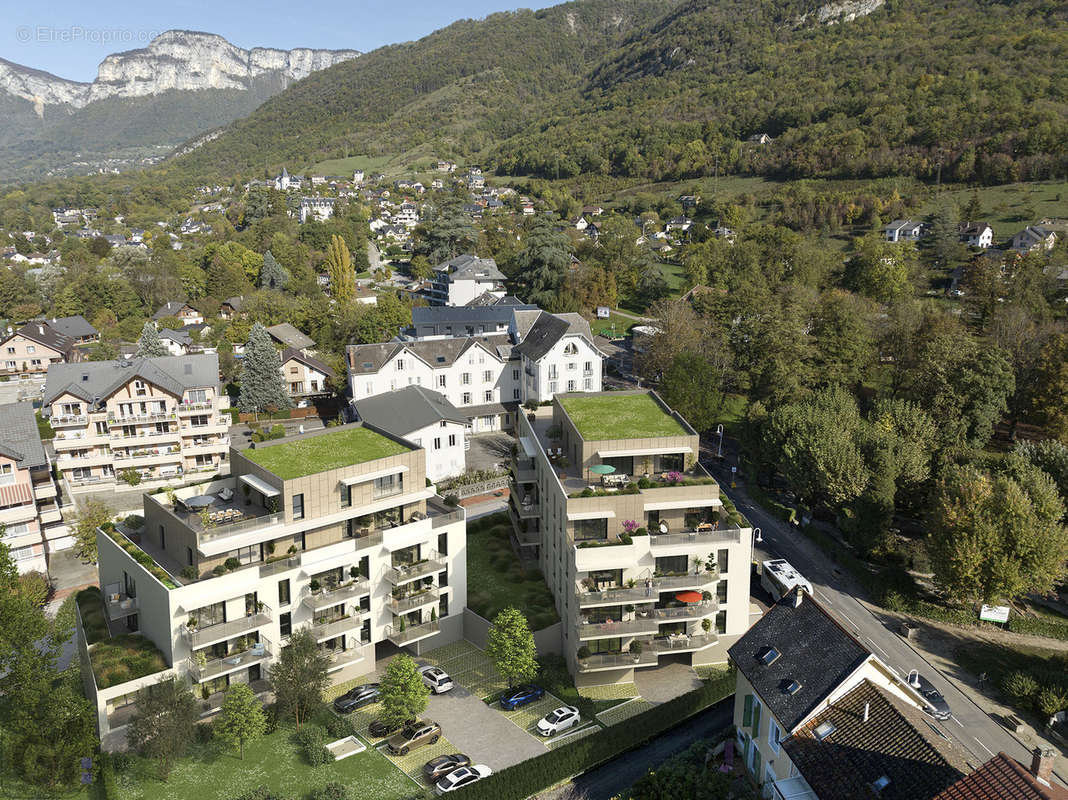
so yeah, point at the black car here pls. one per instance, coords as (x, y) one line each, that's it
(937, 706)
(437, 768)
(520, 696)
(357, 698)
(378, 728)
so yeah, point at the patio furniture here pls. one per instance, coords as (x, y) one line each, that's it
(226, 494)
(258, 649)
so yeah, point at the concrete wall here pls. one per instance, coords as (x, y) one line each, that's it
(476, 630)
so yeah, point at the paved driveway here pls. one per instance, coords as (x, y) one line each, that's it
(481, 731)
(666, 682)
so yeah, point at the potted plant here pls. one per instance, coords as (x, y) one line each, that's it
(636, 650)
(629, 608)
(172, 498)
(433, 615)
(205, 693)
(583, 653)
(710, 564)
(630, 583)
(201, 659)
(706, 625)
(232, 563)
(403, 624)
(706, 596)
(292, 549)
(315, 586)
(354, 573)
(270, 548)
(259, 606)
(272, 504)
(191, 623)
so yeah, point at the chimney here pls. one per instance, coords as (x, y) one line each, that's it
(1042, 764)
(867, 711)
(799, 594)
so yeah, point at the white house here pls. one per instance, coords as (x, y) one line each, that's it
(426, 419)
(460, 280)
(1034, 238)
(319, 209)
(903, 230)
(178, 343)
(976, 234)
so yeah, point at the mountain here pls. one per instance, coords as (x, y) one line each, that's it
(142, 101)
(970, 89)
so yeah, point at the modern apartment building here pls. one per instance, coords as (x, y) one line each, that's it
(335, 531)
(460, 280)
(31, 519)
(634, 541)
(163, 417)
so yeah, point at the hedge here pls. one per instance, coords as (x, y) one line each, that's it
(537, 774)
(1039, 627)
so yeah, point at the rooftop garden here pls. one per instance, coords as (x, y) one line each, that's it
(620, 416)
(140, 556)
(125, 658)
(91, 607)
(340, 448)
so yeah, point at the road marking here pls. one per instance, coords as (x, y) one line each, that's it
(826, 599)
(876, 646)
(983, 746)
(959, 722)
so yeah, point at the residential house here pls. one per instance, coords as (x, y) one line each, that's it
(760, 138)
(682, 224)
(976, 234)
(305, 376)
(643, 563)
(162, 417)
(557, 354)
(904, 230)
(334, 532)
(365, 296)
(187, 313)
(285, 181)
(1033, 239)
(231, 307)
(593, 211)
(34, 347)
(689, 200)
(178, 343)
(459, 280)
(29, 513)
(426, 419)
(318, 209)
(288, 336)
(476, 318)
(76, 328)
(1005, 778)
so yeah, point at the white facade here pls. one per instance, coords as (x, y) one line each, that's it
(572, 365)
(445, 443)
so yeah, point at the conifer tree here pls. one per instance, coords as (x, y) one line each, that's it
(262, 384)
(272, 275)
(150, 345)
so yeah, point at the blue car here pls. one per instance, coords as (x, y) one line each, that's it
(521, 696)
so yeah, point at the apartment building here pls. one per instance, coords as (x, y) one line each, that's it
(636, 545)
(29, 513)
(35, 347)
(460, 280)
(163, 417)
(334, 531)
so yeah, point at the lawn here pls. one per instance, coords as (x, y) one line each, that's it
(332, 450)
(498, 578)
(615, 327)
(620, 416)
(125, 658)
(1048, 668)
(275, 761)
(1008, 208)
(346, 166)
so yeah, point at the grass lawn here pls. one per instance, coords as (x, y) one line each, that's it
(346, 166)
(1008, 208)
(275, 761)
(499, 579)
(619, 416)
(1047, 667)
(732, 412)
(333, 450)
(124, 658)
(615, 327)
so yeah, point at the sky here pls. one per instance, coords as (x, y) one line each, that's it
(70, 39)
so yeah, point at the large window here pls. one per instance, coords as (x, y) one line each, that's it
(591, 529)
(605, 645)
(624, 464)
(672, 565)
(346, 495)
(298, 506)
(283, 592)
(669, 462)
(388, 485)
(210, 615)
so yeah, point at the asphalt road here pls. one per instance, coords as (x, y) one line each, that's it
(615, 776)
(975, 731)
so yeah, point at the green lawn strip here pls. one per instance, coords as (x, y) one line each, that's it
(620, 416)
(332, 450)
(615, 327)
(212, 772)
(611, 691)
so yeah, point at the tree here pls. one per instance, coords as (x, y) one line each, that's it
(510, 646)
(241, 718)
(262, 384)
(93, 515)
(339, 268)
(694, 387)
(881, 270)
(299, 676)
(1051, 457)
(52, 725)
(272, 275)
(1051, 394)
(540, 266)
(21, 624)
(996, 536)
(164, 724)
(149, 345)
(402, 693)
(446, 234)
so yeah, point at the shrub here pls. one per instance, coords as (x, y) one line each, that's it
(644, 483)
(452, 500)
(331, 791)
(189, 572)
(35, 587)
(134, 521)
(131, 476)
(220, 569)
(1019, 685)
(1050, 700)
(270, 712)
(1039, 627)
(120, 761)
(205, 732)
(311, 739)
(319, 755)
(231, 563)
(277, 432)
(338, 727)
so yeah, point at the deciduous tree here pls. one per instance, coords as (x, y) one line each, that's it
(93, 514)
(241, 718)
(510, 646)
(339, 268)
(163, 726)
(403, 694)
(299, 676)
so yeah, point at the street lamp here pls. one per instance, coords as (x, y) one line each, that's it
(719, 450)
(757, 538)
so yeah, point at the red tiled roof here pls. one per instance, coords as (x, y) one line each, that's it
(1001, 778)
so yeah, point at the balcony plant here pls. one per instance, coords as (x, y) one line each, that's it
(191, 623)
(354, 573)
(201, 659)
(706, 596)
(231, 563)
(636, 650)
(433, 615)
(315, 586)
(583, 653)
(706, 625)
(629, 526)
(272, 505)
(247, 490)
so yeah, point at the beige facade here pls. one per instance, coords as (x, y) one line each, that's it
(24, 356)
(302, 380)
(640, 566)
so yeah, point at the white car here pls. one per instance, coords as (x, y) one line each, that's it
(458, 778)
(436, 679)
(557, 720)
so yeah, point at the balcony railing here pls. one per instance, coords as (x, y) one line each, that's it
(232, 528)
(189, 408)
(411, 572)
(605, 630)
(618, 595)
(119, 436)
(697, 537)
(123, 607)
(225, 630)
(281, 565)
(156, 416)
(412, 633)
(598, 661)
(330, 627)
(56, 420)
(440, 520)
(410, 602)
(681, 641)
(686, 581)
(339, 594)
(689, 611)
(343, 658)
(244, 659)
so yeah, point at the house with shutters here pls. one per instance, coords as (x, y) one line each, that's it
(34, 347)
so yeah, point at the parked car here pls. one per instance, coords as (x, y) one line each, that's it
(436, 679)
(521, 696)
(412, 735)
(936, 706)
(356, 698)
(559, 719)
(459, 778)
(437, 768)
(379, 728)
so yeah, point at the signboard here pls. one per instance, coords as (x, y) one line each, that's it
(994, 614)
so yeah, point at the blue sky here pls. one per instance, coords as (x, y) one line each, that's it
(70, 38)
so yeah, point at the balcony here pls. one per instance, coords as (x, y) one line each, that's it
(344, 658)
(702, 537)
(44, 490)
(71, 440)
(696, 581)
(370, 539)
(124, 606)
(608, 630)
(68, 460)
(213, 446)
(149, 438)
(681, 642)
(91, 480)
(17, 514)
(405, 573)
(227, 630)
(281, 565)
(192, 408)
(67, 420)
(523, 470)
(157, 416)
(206, 670)
(142, 458)
(690, 611)
(605, 661)
(215, 425)
(325, 628)
(49, 513)
(410, 602)
(618, 595)
(339, 594)
(526, 508)
(412, 633)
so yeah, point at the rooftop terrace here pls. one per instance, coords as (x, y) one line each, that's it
(620, 415)
(342, 447)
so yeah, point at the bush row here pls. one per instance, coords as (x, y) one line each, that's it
(312, 740)
(1046, 694)
(1039, 627)
(536, 774)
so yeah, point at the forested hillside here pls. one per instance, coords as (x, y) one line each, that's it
(646, 91)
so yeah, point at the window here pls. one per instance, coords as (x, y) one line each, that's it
(465, 378)
(721, 561)
(552, 371)
(773, 735)
(591, 529)
(189, 556)
(466, 399)
(283, 592)
(443, 545)
(31, 349)
(721, 622)
(488, 396)
(140, 389)
(197, 395)
(452, 440)
(571, 386)
(587, 384)
(515, 374)
(390, 484)
(515, 394)
(721, 590)
(552, 387)
(199, 421)
(437, 442)
(400, 364)
(571, 365)
(588, 367)
(162, 538)
(7, 473)
(11, 351)
(443, 423)
(443, 606)
(570, 349)
(298, 506)
(285, 624)
(443, 579)
(346, 495)
(441, 380)
(487, 376)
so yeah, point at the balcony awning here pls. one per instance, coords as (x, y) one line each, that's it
(644, 451)
(528, 446)
(674, 505)
(579, 515)
(370, 476)
(259, 484)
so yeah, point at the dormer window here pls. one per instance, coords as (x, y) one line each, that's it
(570, 349)
(792, 688)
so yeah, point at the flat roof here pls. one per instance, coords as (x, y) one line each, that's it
(613, 415)
(341, 447)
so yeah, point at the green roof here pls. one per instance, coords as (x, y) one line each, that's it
(620, 416)
(340, 448)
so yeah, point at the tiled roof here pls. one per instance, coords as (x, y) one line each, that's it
(438, 353)
(407, 410)
(895, 746)
(94, 381)
(19, 437)
(296, 355)
(1001, 778)
(76, 327)
(44, 334)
